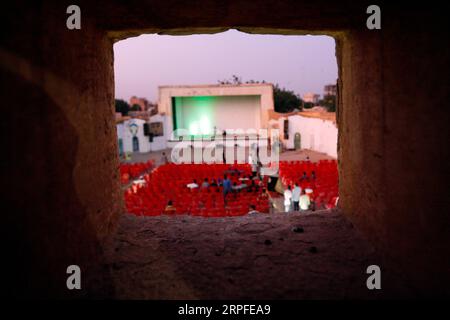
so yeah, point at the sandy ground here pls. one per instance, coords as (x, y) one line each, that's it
(314, 156)
(247, 257)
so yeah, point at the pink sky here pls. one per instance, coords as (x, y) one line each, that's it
(299, 63)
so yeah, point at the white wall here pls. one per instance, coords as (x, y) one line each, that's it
(160, 143)
(316, 134)
(123, 131)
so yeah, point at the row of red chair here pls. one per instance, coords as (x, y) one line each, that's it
(169, 182)
(129, 171)
(324, 184)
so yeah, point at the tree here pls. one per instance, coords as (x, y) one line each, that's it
(135, 107)
(285, 100)
(122, 106)
(329, 102)
(308, 105)
(234, 80)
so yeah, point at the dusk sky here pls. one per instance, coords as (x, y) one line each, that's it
(298, 63)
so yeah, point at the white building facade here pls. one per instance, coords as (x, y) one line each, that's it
(311, 133)
(133, 138)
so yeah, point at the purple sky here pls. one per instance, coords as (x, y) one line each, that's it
(299, 63)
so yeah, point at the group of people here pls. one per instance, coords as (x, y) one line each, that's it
(306, 178)
(248, 183)
(297, 199)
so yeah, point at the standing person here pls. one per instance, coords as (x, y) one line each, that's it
(305, 202)
(287, 199)
(164, 159)
(296, 196)
(224, 136)
(226, 187)
(253, 165)
(258, 168)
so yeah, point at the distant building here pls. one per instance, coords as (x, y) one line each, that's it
(138, 135)
(313, 130)
(330, 90)
(141, 102)
(144, 115)
(311, 97)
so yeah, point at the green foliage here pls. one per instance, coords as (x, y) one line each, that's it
(135, 107)
(308, 105)
(235, 80)
(122, 106)
(285, 100)
(329, 102)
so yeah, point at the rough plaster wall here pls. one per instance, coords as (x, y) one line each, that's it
(394, 147)
(60, 166)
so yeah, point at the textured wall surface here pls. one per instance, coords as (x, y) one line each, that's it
(393, 155)
(61, 186)
(60, 168)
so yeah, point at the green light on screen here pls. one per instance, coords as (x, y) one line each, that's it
(195, 114)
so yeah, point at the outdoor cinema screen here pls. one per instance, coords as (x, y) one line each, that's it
(206, 115)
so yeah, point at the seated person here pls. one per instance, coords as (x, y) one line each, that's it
(213, 183)
(252, 209)
(260, 181)
(264, 194)
(231, 171)
(304, 176)
(192, 185)
(170, 209)
(313, 175)
(205, 184)
(304, 201)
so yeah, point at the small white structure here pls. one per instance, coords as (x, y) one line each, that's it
(311, 133)
(131, 136)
